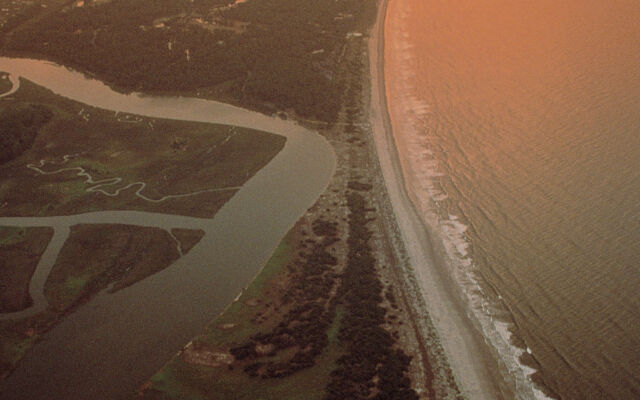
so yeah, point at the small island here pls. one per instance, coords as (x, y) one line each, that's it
(86, 159)
(335, 312)
(60, 157)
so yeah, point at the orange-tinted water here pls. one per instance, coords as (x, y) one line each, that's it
(524, 119)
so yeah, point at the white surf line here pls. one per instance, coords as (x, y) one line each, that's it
(98, 185)
(15, 81)
(462, 346)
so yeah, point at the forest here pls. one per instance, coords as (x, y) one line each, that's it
(280, 56)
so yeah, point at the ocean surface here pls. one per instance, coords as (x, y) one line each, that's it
(523, 124)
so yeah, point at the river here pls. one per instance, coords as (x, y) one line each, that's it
(108, 347)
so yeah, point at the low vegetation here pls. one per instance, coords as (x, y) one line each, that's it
(98, 154)
(253, 328)
(20, 251)
(301, 335)
(307, 320)
(19, 126)
(373, 367)
(5, 83)
(76, 148)
(97, 256)
(94, 258)
(317, 318)
(268, 54)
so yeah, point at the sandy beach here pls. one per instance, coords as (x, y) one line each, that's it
(480, 159)
(426, 273)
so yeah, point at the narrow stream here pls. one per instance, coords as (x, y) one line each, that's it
(108, 347)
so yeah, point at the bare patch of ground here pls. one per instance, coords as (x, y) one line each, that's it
(203, 355)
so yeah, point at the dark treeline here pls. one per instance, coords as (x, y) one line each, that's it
(373, 367)
(19, 126)
(282, 58)
(26, 11)
(372, 364)
(304, 326)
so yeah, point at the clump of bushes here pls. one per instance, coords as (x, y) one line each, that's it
(304, 327)
(372, 366)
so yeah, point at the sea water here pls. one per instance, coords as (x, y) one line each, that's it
(523, 124)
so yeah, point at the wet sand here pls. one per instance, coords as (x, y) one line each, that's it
(463, 345)
(523, 138)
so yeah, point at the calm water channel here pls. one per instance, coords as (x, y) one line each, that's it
(109, 346)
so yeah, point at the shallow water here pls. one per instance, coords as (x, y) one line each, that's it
(523, 124)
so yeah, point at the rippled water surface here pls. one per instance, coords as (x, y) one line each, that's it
(526, 124)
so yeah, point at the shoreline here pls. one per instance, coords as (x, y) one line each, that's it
(259, 310)
(411, 244)
(426, 274)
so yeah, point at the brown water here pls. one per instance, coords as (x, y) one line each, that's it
(524, 124)
(108, 347)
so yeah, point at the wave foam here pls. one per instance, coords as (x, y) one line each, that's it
(424, 171)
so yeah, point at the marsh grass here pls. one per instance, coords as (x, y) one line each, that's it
(181, 380)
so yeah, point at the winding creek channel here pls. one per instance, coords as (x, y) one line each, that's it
(109, 346)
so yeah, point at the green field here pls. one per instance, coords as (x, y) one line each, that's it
(102, 156)
(180, 379)
(64, 158)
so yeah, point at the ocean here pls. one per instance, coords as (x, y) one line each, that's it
(523, 124)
